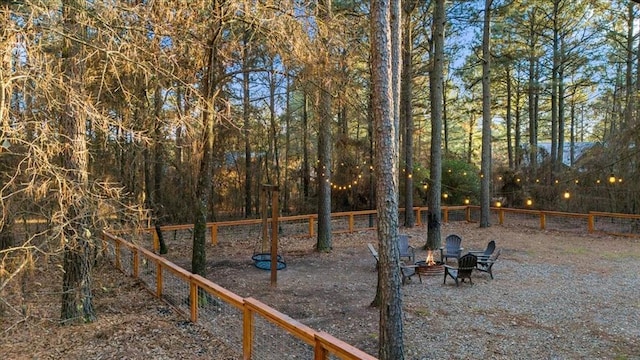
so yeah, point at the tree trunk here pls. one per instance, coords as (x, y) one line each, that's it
(158, 162)
(554, 90)
(77, 304)
(384, 62)
(324, 242)
(406, 113)
(561, 106)
(509, 120)
(436, 84)
(287, 147)
(205, 173)
(486, 169)
(629, 95)
(306, 169)
(246, 116)
(532, 97)
(518, 129)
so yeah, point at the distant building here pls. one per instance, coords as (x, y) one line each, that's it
(544, 150)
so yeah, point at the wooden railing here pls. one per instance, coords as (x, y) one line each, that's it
(165, 279)
(221, 306)
(348, 222)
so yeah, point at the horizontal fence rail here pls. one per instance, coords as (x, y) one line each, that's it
(255, 329)
(348, 222)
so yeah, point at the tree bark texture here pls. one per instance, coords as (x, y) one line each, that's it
(324, 242)
(205, 173)
(436, 85)
(385, 112)
(406, 113)
(77, 298)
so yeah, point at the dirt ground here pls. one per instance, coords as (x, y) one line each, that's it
(326, 291)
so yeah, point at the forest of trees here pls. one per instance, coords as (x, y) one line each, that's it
(119, 113)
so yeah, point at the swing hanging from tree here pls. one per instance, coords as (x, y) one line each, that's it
(268, 250)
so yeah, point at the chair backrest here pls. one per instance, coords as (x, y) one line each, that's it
(491, 247)
(453, 243)
(403, 244)
(373, 252)
(494, 256)
(466, 264)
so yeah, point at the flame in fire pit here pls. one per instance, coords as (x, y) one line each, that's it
(430, 261)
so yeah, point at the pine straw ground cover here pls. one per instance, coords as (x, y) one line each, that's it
(555, 295)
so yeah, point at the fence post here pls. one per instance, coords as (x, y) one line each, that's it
(136, 262)
(543, 220)
(311, 226)
(445, 217)
(351, 222)
(418, 217)
(193, 291)
(590, 223)
(156, 240)
(159, 279)
(247, 333)
(319, 352)
(467, 214)
(214, 234)
(117, 246)
(500, 216)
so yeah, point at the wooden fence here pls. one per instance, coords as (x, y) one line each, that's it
(306, 225)
(242, 323)
(262, 332)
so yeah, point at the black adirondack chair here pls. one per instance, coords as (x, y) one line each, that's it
(466, 264)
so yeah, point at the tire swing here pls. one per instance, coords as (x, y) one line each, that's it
(268, 250)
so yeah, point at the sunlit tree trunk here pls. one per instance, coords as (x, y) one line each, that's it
(77, 298)
(324, 242)
(205, 173)
(385, 66)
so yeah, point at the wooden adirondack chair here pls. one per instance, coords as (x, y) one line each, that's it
(466, 264)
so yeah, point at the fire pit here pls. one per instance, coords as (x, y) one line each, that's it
(435, 268)
(429, 266)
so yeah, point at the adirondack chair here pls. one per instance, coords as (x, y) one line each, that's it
(491, 247)
(406, 250)
(374, 253)
(466, 264)
(452, 248)
(486, 264)
(406, 270)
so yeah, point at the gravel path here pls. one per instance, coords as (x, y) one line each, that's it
(554, 296)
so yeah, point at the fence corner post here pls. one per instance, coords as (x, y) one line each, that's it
(193, 291)
(311, 226)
